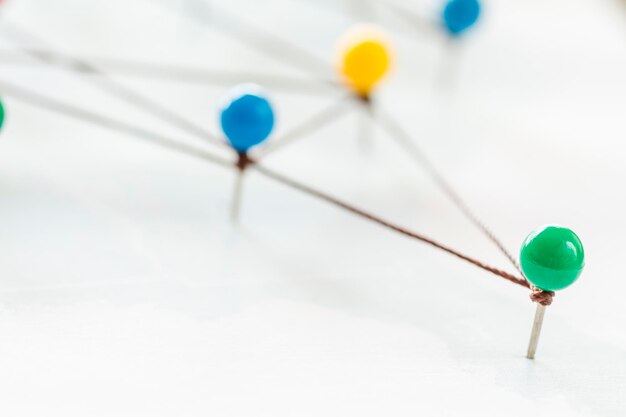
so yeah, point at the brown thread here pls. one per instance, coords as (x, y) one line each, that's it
(84, 115)
(177, 73)
(243, 162)
(259, 39)
(362, 213)
(541, 296)
(115, 88)
(316, 122)
(402, 137)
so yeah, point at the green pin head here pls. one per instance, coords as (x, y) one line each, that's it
(552, 257)
(1, 114)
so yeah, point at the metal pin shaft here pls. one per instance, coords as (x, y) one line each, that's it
(365, 124)
(237, 192)
(534, 336)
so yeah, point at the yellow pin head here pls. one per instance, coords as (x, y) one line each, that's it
(364, 58)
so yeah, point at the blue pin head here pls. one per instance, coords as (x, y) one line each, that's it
(246, 117)
(460, 15)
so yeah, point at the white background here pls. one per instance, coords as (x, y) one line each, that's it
(126, 291)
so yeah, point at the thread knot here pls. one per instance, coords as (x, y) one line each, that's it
(542, 297)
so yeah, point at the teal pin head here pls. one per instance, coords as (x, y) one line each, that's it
(1, 114)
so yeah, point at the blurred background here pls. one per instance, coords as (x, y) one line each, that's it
(126, 290)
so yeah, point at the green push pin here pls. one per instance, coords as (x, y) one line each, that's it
(1, 114)
(552, 258)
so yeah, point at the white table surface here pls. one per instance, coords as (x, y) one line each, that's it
(125, 290)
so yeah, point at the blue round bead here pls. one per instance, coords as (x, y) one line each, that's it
(460, 15)
(246, 117)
